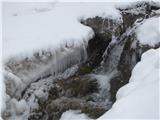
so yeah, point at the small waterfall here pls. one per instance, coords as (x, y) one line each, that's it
(113, 52)
(103, 23)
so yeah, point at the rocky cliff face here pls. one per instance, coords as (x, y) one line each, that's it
(114, 49)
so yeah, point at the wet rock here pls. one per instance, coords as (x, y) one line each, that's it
(103, 29)
(57, 107)
(78, 86)
(94, 111)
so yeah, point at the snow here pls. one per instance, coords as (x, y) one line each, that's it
(148, 33)
(73, 115)
(17, 107)
(32, 27)
(139, 99)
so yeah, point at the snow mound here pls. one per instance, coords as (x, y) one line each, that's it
(148, 33)
(73, 115)
(139, 98)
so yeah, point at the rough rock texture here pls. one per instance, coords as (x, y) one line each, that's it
(76, 92)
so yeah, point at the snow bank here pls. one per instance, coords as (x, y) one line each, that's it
(139, 99)
(29, 27)
(73, 115)
(148, 33)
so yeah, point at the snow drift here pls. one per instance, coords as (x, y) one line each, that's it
(148, 33)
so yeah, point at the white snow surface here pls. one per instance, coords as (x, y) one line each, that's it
(74, 115)
(148, 33)
(139, 99)
(29, 27)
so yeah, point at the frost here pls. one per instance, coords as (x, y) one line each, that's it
(148, 33)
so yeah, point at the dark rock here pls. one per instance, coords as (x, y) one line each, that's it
(57, 107)
(94, 112)
(78, 86)
(101, 40)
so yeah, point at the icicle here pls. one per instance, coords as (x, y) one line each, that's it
(69, 58)
(108, 24)
(102, 29)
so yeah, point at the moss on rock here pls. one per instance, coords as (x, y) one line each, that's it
(85, 70)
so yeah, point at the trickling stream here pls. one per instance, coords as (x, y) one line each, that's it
(83, 78)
